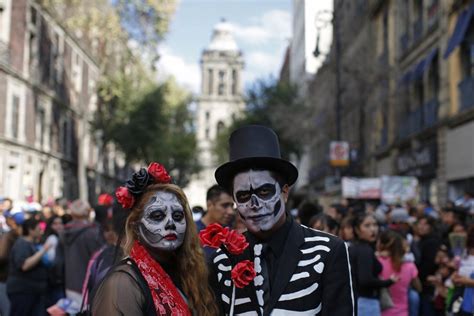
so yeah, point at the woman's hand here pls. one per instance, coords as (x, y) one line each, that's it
(395, 278)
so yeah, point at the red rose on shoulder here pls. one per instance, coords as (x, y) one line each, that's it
(159, 173)
(213, 235)
(124, 197)
(235, 242)
(243, 273)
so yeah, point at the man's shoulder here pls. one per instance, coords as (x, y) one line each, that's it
(311, 235)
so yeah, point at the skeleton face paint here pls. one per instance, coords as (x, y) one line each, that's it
(259, 199)
(163, 224)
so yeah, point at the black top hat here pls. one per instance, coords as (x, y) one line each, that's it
(254, 147)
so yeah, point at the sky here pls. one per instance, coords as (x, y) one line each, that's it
(262, 30)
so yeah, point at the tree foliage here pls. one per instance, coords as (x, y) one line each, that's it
(274, 104)
(108, 27)
(158, 127)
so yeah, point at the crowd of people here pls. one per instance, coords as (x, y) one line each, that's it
(421, 256)
(140, 253)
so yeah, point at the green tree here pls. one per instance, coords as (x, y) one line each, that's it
(274, 104)
(159, 128)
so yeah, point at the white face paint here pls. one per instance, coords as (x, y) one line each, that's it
(163, 224)
(259, 199)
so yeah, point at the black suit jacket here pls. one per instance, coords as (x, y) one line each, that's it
(313, 278)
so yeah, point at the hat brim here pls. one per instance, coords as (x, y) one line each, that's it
(225, 173)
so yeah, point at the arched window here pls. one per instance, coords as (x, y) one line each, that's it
(220, 127)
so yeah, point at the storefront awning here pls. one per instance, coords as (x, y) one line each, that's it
(460, 29)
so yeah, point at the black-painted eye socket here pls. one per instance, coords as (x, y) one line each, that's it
(243, 196)
(157, 216)
(264, 192)
(178, 216)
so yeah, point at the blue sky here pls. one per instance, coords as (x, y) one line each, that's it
(262, 29)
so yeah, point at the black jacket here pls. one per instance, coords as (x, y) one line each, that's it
(313, 277)
(366, 269)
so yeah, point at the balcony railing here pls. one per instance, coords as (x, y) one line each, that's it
(466, 93)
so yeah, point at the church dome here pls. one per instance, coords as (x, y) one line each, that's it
(222, 39)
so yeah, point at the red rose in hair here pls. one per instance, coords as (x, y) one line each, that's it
(235, 242)
(213, 235)
(124, 197)
(158, 172)
(243, 273)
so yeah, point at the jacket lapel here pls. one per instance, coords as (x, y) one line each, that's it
(287, 264)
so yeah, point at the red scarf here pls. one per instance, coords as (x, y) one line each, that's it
(166, 297)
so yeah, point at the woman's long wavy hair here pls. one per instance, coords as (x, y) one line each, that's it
(392, 242)
(192, 269)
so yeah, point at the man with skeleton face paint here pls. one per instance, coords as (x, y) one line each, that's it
(298, 270)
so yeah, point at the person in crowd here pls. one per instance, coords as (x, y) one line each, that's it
(325, 223)
(5, 207)
(27, 277)
(366, 266)
(451, 217)
(441, 280)
(466, 201)
(52, 259)
(336, 211)
(165, 271)
(391, 252)
(346, 231)
(198, 212)
(306, 211)
(220, 208)
(464, 277)
(298, 270)
(427, 246)
(7, 240)
(107, 256)
(79, 241)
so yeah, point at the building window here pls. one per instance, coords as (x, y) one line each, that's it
(15, 116)
(418, 19)
(208, 116)
(221, 88)
(40, 127)
(76, 71)
(210, 80)
(234, 82)
(207, 133)
(433, 79)
(220, 127)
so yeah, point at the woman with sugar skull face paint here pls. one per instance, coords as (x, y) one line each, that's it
(162, 247)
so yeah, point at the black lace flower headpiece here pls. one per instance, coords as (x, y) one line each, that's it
(134, 187)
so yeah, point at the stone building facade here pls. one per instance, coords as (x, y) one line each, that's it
(48, 98)
(220, 100)
(407, 106)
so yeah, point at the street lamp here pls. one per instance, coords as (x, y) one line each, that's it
(322, 19)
